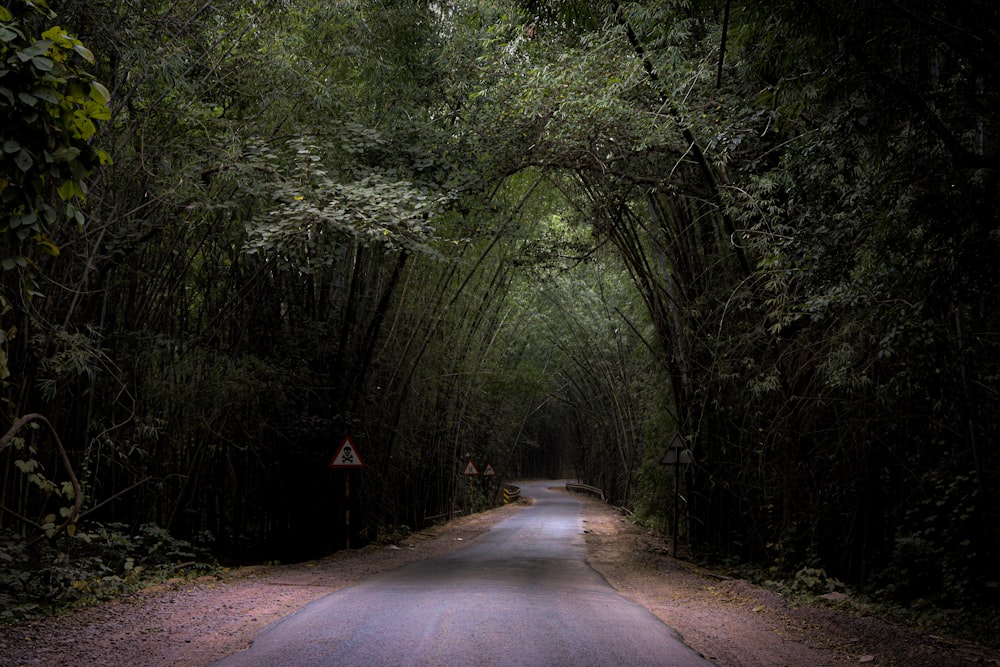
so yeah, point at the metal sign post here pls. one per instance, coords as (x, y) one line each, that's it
(347, 510)
(489, 475)
(470, 471)
(676, 455)
(347, 457)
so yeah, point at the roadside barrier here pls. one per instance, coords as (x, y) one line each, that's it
(445, 515)
(510, 493)
(577, 486)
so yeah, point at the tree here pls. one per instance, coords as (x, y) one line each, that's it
(790, 241)
(51, 106)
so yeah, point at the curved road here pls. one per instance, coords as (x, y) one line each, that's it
(521, 594)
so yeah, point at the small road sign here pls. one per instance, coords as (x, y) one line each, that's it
(676, 455)
(677, 452)
(470, 468)
(488, 471)
(347, 455)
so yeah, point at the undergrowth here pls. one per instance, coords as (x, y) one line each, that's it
(977, 622)
(100, 562)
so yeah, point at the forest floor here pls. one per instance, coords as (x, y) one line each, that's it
(731, 622)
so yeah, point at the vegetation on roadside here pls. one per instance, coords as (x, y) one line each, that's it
(99, 563)
(976, 622)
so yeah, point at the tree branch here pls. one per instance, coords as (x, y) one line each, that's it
(12, 432)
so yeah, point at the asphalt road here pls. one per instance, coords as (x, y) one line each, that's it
(521, 594)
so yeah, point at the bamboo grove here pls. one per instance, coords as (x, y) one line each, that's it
(546, 236)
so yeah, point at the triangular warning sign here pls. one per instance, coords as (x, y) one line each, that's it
(470, 468)
(347, 456)
(677, 452)
(488, 471)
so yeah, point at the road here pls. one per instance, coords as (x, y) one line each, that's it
(521, 594)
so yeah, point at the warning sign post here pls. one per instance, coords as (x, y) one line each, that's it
(470, 470)
(346, 458)
(676, 455)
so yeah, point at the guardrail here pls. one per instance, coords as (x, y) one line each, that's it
(444, 515)
(511, 493)
(577, 486)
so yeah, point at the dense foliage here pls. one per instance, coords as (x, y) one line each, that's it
(545, 235)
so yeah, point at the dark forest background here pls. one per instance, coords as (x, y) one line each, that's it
(546, 236)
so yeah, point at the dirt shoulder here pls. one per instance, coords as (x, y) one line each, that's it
(734, 624)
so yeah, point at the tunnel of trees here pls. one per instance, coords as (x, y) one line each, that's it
(546, 236)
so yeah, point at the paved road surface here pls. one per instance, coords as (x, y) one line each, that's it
(520, 594)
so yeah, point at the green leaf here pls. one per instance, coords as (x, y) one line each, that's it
(69, 189)
(11, 146)
(25, 220)
(37, 49)
(84, 52)
(42, 63)
(47, 246)
(97, 110)
(65, 154)
(83, 126)
(5, 14)
(24, 160)
(99, 93)
(46, 94)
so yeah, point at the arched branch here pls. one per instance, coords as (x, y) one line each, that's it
(12, 432)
